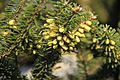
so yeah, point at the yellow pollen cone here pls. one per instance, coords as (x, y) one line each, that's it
(112, 47)
(68, 40)
(5, 33)
(65, 38)
(71, 48)
(64, 47)
(112, 42)
(46, 37)
(11, 22)
(49, 43)
(34, 51)
(61, 43)
(77, 39)
(107, 41)
(89, 23)
(50, 20)
(38, 46)
(72, 44)
(59, 38)
(98, 47)
(81, 30)
(55, 46)
(94, 40)
(61, 29)
(87, 28)
(54, 41)
(71, 36)
(52, 34)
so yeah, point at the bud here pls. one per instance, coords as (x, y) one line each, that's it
(82, 25)
(49, 43)
(98, 47)
(79, 34)
(46, 37)
(81, 30)
(5, 33)
(55, 46)
(61, 43)
(77, 39)
(11, 22)
(116, 60)
(15, 27)
(34, 51)
(46, 25)
(106, 53)
(72, 44)
(94, 17)
(61, 29)
(65, 4)
(38, 46)
(60, 51)
(65, 38)
(107, 41)
(118, 55)
(52, 26)
(38, 41)
(54, 41)
(44, 33)
(94, 40)
(82, 35)
(87, 28)
(52, 34)
(64, 47)
(31, 45)
(112, 47)
(89, 57)
(55, 29)
(71, 48)
(50, 21)
(71, 36)
(59, 38)
(112, 42)
(89, 23)
(68, 40)
(76, 9)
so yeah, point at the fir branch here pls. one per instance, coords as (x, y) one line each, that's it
(19, 8)
(23, 34)
(69, 19)
(85, 68)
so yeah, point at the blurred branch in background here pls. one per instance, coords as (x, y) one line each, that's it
(108, 11)
(3, 4)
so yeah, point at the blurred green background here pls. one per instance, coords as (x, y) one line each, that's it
(108, 11)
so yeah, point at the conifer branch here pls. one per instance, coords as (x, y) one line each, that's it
(22, 35)
(19, 8)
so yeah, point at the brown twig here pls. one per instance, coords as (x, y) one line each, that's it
(43, 1)
(19, 8)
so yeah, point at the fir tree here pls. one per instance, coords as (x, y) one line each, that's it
(49, 29)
